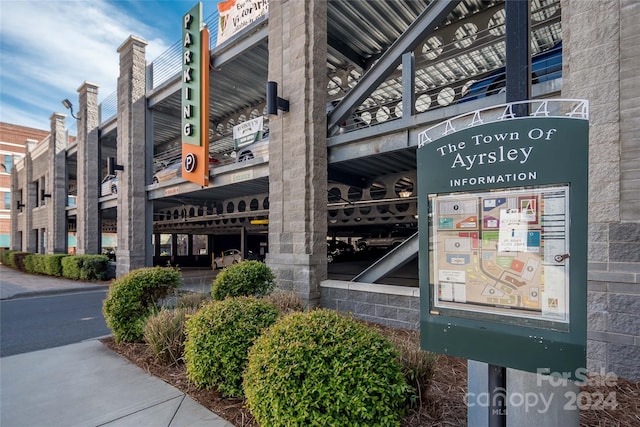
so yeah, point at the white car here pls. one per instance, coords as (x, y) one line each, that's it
(171, 171)
(109, 185)
(252, 151)
(228, 257)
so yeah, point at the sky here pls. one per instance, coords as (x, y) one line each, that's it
(49, 48)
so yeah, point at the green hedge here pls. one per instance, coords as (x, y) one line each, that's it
(85, 267)
(219, 336)
(16, 259)
(53, 264)
(6, 258)
(323, 369)
(248, 278)
(134, 297)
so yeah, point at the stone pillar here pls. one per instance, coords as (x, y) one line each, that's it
(134, 240)
(601, 65)
(57, 187)
(29, 199)
(298, 149)
(88, 233)
(16, 242)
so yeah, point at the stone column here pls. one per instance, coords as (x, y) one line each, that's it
(601, 64)
(57, 187)
(29, 199)
(298, 149)
(133, 236)
(88, 233)
(16, 242)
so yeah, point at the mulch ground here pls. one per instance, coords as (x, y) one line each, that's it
(444, 404)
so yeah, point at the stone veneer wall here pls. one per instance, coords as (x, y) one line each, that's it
(395, 306)
(601, 63)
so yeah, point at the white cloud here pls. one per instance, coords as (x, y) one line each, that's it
(49, 48)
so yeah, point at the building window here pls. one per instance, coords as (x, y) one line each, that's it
(7, 200)
(7, 163)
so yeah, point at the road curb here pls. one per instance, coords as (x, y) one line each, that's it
(58, 291)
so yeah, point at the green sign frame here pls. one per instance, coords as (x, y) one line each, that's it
(509, 158)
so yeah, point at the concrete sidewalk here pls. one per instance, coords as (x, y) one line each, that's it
(87, 384)
(17, 284)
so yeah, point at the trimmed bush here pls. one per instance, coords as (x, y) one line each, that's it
(71, 266)
(321, 368)
(30, 262)
(53, 264)
(85, 267)
(94, 267)
(248, 278)
(6, 258)
(219, 336)
(164, 334)
(134, 297)
(18, 260)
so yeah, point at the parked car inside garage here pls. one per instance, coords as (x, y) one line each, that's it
(109, 185)
(228, 257)
(337, 250)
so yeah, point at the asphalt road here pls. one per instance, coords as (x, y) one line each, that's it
(37, 323)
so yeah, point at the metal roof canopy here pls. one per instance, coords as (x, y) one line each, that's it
(359, 34)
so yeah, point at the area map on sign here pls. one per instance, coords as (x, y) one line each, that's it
(495, 250)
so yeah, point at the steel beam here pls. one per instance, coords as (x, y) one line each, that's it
(397, 257)
(424, 24)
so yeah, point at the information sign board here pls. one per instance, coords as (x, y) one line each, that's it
(503, 221)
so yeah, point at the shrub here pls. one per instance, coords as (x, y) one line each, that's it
(134, 297)
(321, 368)
(191, 300)
(30, 263)
(94, 267)
(53, 264)
(248, 278)
(85, 267)
(71, 267)
(417, 365)
(6, 257)
(164, 334)
(286, 302)
(18, 260)
(219, 336)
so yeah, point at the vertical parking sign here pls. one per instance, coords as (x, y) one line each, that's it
(195, 98)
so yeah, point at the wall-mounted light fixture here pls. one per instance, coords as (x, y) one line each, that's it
(69, 106)
(19, 205)
(112, 166)
(274, 102)
(44, 195)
